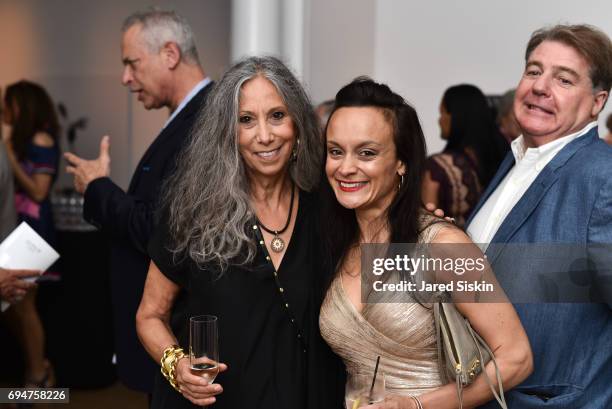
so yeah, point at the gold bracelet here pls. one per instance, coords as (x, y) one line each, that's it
(169, 359)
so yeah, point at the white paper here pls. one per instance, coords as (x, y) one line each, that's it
(24, 249)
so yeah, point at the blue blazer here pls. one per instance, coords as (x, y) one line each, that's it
(569, 202)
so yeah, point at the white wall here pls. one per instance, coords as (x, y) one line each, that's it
(339, 44)
(72, 47)
(421, 48)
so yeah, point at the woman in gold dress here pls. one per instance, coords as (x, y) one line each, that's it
(375, 157)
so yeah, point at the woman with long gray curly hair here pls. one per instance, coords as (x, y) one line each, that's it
(237, 240)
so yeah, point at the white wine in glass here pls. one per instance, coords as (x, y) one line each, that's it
(204, 346)
(207, 371)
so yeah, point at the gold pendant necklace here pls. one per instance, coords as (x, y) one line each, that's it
(277, 244)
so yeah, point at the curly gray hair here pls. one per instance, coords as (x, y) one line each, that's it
(207, 199)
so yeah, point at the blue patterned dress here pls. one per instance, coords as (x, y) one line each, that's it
(39, 160)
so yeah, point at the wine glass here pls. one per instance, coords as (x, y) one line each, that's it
(359, 391)
(204, 346)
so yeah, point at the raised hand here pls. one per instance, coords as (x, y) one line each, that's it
(85, 171)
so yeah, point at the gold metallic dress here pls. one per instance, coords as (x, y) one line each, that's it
(403, 334)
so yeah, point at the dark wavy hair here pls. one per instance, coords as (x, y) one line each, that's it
(473, 126)
(32, 111)
(403, 213)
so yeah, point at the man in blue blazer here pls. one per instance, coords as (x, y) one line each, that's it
(556, 187)
(162, 67)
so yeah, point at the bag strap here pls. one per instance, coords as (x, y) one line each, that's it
(459, 391)
(480, 342)
(292, 318)
(441, 366)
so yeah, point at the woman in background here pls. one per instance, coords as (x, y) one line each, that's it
(455, 178)
(33, 152)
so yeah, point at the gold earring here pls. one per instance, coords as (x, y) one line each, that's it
(295, 148)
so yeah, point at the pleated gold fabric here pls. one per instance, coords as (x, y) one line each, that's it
(402, 333)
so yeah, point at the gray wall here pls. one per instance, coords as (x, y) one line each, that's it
(72, 47)
(421, 48)
(339, 44)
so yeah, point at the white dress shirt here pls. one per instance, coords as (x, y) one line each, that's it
(529, 162)
(188, 98)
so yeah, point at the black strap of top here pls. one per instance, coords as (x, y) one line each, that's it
(282, 291)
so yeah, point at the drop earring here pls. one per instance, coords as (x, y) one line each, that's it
(295, 149)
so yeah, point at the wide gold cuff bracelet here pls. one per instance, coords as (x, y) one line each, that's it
(169, 359)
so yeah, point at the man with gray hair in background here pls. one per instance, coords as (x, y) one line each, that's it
(161, 66)
(506, 121)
